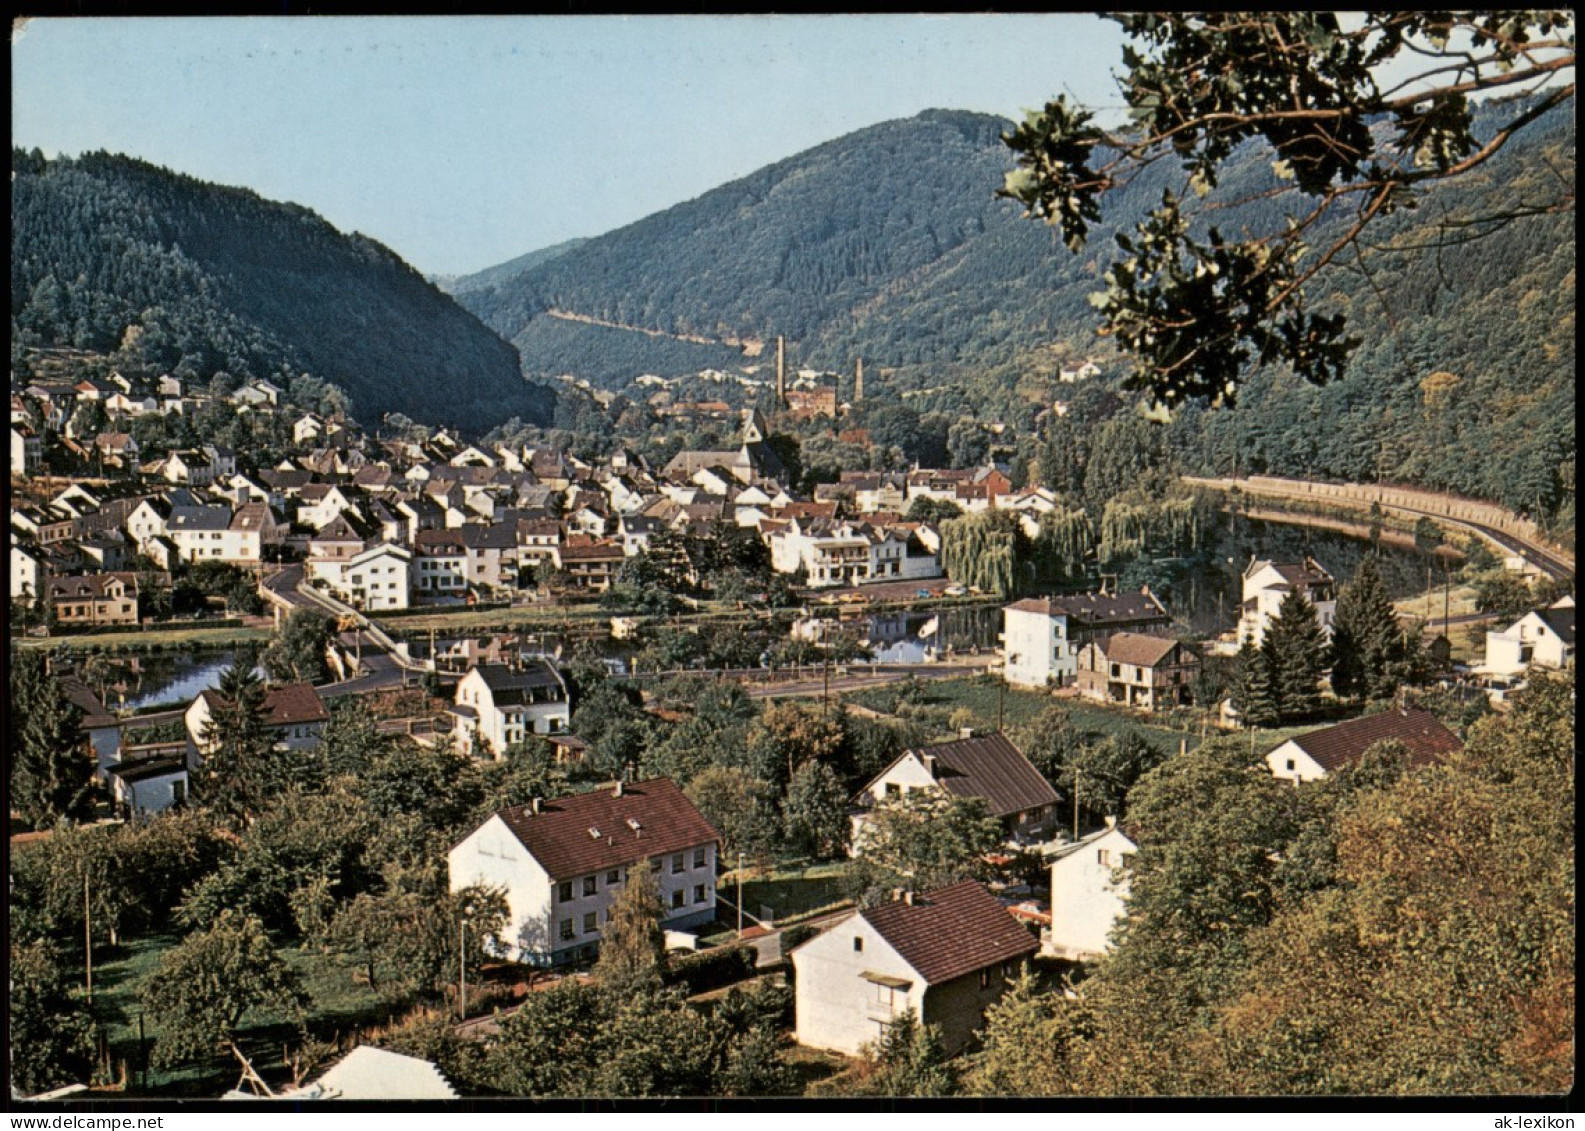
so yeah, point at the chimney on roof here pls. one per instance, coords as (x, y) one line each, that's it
(930, 763)
(908, 896)
(965, 732)
(1111, 821)
(534, 806)
(617, 792)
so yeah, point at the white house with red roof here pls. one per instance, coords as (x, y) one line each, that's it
(294, 714)
(562, 863)
(1330, 749)
(1089, 888)
(947, 955)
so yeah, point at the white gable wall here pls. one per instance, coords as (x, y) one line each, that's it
(834, 1007)
(1289, 762)
(1087, 896)
(493, 856)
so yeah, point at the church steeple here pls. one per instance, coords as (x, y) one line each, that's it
(858, 381)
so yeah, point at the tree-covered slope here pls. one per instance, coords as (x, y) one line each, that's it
(491, 276)
(889, 244)
(113, 254)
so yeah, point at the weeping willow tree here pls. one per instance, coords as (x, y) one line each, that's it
(983, 550)
(1063, 546)
(1173, 525)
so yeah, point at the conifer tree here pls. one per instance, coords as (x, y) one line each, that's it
(238, 749)
(50, 777)
(1253, 693)
(1365, 635)
(1295, 652)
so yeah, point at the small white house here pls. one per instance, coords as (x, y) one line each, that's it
(947, 955)
(1267, 582)
(1542, 637)
(1089, 887)
(1330, 749)
(498, 705)
(985, 766)
(562, 863)
(294, 715)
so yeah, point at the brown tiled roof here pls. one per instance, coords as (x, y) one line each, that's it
(294, 703)
(1338, 746)
(1096, 608)
(952, 931)
(1137, 649)
(991, 767)
(559, 835)
(82, 696)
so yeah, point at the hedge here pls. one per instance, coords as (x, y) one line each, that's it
(711, 969)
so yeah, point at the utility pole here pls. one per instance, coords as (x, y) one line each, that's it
(462, 969)
(825, 705)
(1075, 804)
(740, 895)
(1001, 694)
(88, 941)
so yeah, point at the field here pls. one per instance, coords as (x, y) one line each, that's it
(195, 639)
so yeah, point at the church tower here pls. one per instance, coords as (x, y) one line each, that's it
(781, 371)
(858, 381)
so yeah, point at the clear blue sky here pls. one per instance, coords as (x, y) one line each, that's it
(463, 142)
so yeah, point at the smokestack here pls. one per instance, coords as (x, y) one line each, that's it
(781, 371)
(858, 381)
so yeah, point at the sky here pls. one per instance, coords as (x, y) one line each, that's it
(462, 142)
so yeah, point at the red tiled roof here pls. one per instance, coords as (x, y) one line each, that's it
(560, 839)
(294, 703)
(1342, 745)
(991, 767)
(951, 932)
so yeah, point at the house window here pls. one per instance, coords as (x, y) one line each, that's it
(566, 929)
(1290, 763)
(591, 923)
(698, 858)
(589, 884)
(1128, 859)
(985, 978)
(1007, 970)
(858, 943)
(1103, 857)
(893, 789)
(1117, 671)
(676, 898)
(564, 892)
(676, 863)
(613, 877)
(698, 893)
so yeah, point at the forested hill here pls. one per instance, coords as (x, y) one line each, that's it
(889, 244)
(116, 255)
(501, 272)
(886, 243)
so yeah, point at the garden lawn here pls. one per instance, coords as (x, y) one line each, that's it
(195, 639)
(789, 892)
(979, 695)
(337, 1005)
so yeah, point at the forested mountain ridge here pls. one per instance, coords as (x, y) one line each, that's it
(490, 276)
(110, 253)
(889, 244)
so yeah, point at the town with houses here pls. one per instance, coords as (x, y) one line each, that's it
(356, 531)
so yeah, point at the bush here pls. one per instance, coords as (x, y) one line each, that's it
(711, 969)
(796, 936)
